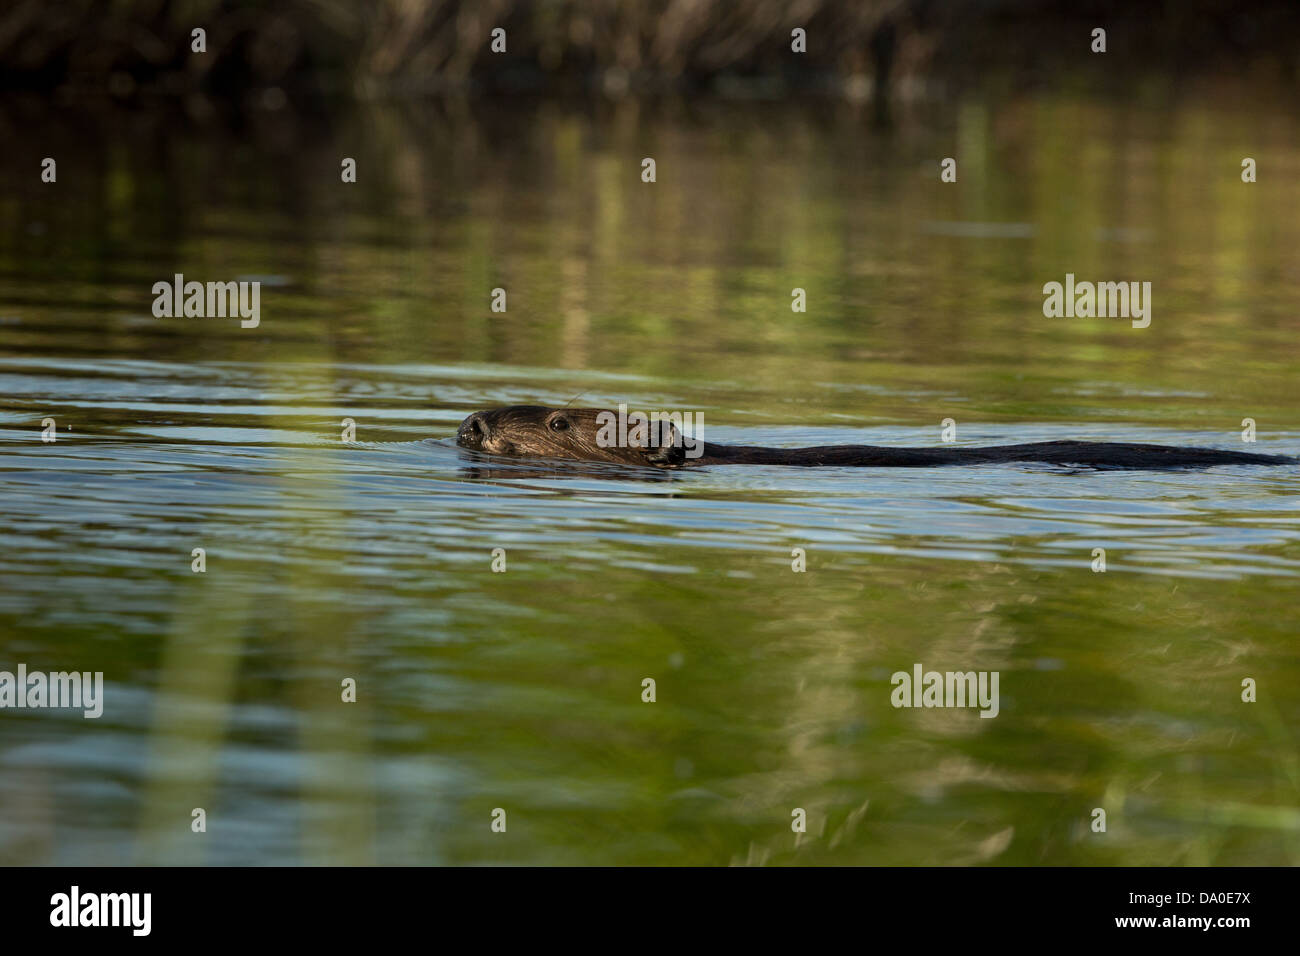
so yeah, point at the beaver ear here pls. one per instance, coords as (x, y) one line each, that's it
(666, 448)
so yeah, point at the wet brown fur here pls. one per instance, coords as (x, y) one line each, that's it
(538, 431)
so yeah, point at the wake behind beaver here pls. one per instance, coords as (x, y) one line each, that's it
(581, 434)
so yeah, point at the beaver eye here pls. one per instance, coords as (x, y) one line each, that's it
(559, 424)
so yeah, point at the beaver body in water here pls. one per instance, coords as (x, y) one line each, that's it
(582, 434)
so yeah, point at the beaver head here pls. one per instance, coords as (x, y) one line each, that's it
(579, 434)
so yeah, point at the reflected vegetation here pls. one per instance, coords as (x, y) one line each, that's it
(521, 689)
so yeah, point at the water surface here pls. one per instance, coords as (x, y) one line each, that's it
(522, 690)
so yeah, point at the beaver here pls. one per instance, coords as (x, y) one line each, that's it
(538, 431)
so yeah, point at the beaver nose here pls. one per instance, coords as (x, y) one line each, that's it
(473, 431)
